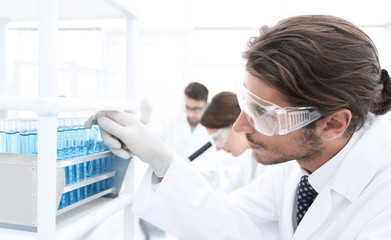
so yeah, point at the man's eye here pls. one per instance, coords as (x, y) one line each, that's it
(260, 110)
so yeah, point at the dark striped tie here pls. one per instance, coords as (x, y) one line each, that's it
(305, 196)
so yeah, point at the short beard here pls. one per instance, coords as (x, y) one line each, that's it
(312, 142)
(308, 140)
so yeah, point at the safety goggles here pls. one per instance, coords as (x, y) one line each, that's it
(219, 138)
(270, 119)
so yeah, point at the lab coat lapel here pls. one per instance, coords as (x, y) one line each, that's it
(351, 177)
(288, 204)
(315, 215)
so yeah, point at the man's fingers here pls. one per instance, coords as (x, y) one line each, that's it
(109, 140)
(122, 153)
(111, 127)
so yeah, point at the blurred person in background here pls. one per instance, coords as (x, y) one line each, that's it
(182, 132)
(218, 118)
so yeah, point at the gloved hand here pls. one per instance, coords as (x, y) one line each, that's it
(119, 129)
(145, 108)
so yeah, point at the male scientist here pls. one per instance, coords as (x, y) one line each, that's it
(311, 103)
(183, 133)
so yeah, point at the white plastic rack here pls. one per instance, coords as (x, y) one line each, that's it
(77, 221)
(80, 217)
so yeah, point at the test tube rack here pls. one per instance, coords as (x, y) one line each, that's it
(18, 183)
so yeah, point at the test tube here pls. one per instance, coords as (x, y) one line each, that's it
(93, 137)
(68, 138)
(12, 137)
(33, 136)
(60, 140)
(83, 137)
(2, 136)
(63, 201)
(24, 131)
(85, 192)
(72, 198)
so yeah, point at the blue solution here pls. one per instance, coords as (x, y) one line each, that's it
(33, 141)
(70, 174)
(25, 142)
(84, 192)
(90, 168)
(104, 185)
(108, 163)
(12, 142)
(75, 142)
(78, 172)
(71, 198)
(104, 164)
(90, 190)
(92, 140)
(97, 187)
(77, 195)
(60, 144)
(2, 142)
(63, 201)
(68, 154)
(85, 170)
(83, 141)
(98, 167)
(108, 183)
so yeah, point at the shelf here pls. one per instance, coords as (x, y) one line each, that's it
(84, 201)
(77, 221)
(83, 218)
(86, 158)
(88, 181)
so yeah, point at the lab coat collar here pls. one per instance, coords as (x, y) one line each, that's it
(357, 168)
(322, 176)
(364, 160)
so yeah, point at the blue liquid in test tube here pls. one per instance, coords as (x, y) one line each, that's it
(77, 195)
(24, 137)
(93, 137)
(63, 201)
(84, 192)
(60, 140)
(33, 136)
(12, 137)
(85, 170)
(2, 136)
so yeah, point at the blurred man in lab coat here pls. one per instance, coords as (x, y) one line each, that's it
(182, 132)
(311, 104)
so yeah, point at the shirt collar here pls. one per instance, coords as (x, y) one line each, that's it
(322, 175)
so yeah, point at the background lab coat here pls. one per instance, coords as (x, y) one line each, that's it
(355, 204)
(177, 135)
(233, 172)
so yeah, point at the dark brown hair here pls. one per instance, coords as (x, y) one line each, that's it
(321, 61)
(197, 91)
(222, 111)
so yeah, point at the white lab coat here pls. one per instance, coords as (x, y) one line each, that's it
(176, 133)
(237, 172)
(354, 204)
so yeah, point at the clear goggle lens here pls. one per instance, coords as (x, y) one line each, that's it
(219, 138)
(270, 119)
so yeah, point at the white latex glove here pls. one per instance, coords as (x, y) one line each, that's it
(145, 108)
(119, 129)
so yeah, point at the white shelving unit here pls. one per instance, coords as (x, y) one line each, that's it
(47, 107)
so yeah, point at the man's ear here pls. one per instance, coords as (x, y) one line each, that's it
(335, 124)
